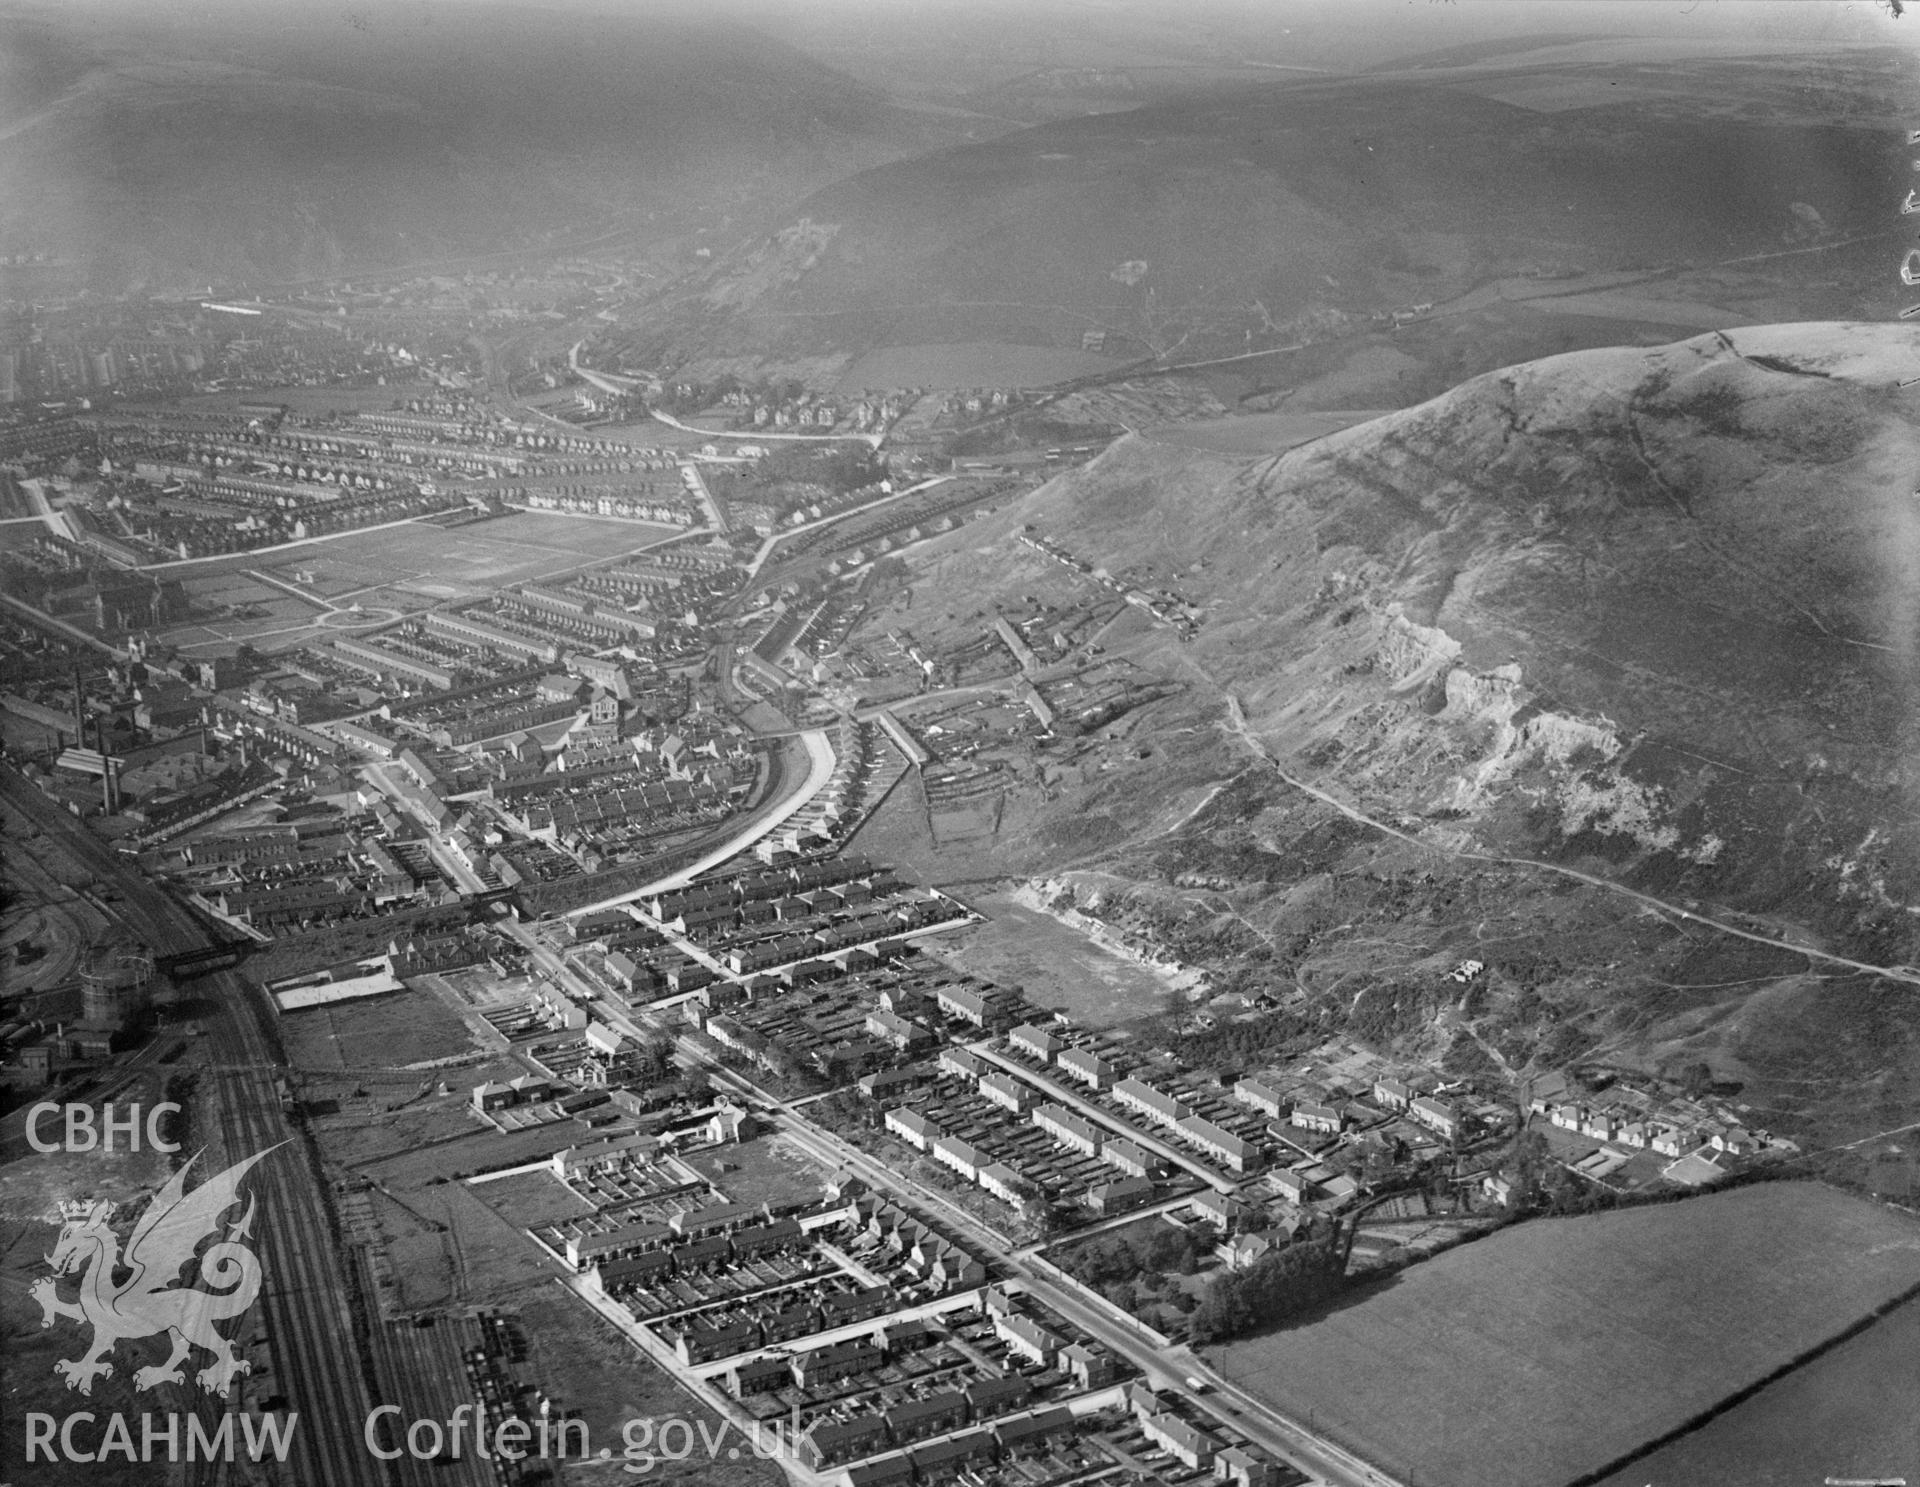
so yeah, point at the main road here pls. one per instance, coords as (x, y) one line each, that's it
(1172, 1370)
(697, 483)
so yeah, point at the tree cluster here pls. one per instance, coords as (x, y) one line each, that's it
(1542, 1185)
(655, 1058)
(842, 467)
(1281, 1286)
(1138, 1251)
(1241, 1044)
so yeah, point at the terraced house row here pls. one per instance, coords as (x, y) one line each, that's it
(1043, 1045)
(940, 1414)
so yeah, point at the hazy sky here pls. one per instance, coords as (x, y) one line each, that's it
(1857, 19)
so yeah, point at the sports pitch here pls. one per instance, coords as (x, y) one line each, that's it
(391, 569)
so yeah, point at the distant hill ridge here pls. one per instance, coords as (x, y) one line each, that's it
(1285, 205)
(177, 147)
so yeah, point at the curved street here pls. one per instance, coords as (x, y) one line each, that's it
(820, 762)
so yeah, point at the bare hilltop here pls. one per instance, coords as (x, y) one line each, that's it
(1472, 675)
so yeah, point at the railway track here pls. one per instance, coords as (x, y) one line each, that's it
(429, 1383)
(309, 1325)
(304, 1298)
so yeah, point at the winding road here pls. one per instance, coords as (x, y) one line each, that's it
(820, 762)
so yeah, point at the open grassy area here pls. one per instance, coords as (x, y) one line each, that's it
(431, 563)
(1688, 314)
(1553, 1349)
(362, 1126)
(589, 1367)
(392, 1031)
(1257, 433)
(767, 1169)
(532, 1200)
(1059, 967)
(1828, 1420)
(480, 986)
(494, 1261)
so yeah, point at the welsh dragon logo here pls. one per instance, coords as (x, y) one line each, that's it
(148, 1301)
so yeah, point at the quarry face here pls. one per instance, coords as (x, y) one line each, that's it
(1627, 618)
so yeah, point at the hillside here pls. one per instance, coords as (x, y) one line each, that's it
(1297, 210)
(1647, 615)
(176, 145)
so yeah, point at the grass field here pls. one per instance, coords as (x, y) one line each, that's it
(1551, 1350)
(362, 1128)
(1553, 94)
(383, 1032)
(409, 1168)
(589, 1367)
(1259, 433)
(898, 833)
(532, 1200)
(284, 623)
(389, 570)
(1846, 1415)
(768, 1169)
(1059, 967)
(481, 987)
(433, 563)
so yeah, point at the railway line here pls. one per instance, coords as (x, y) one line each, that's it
(304, 1299)
(429, 1382)
(310, 1332)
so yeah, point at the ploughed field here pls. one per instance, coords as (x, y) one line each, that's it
(1550, 1351)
